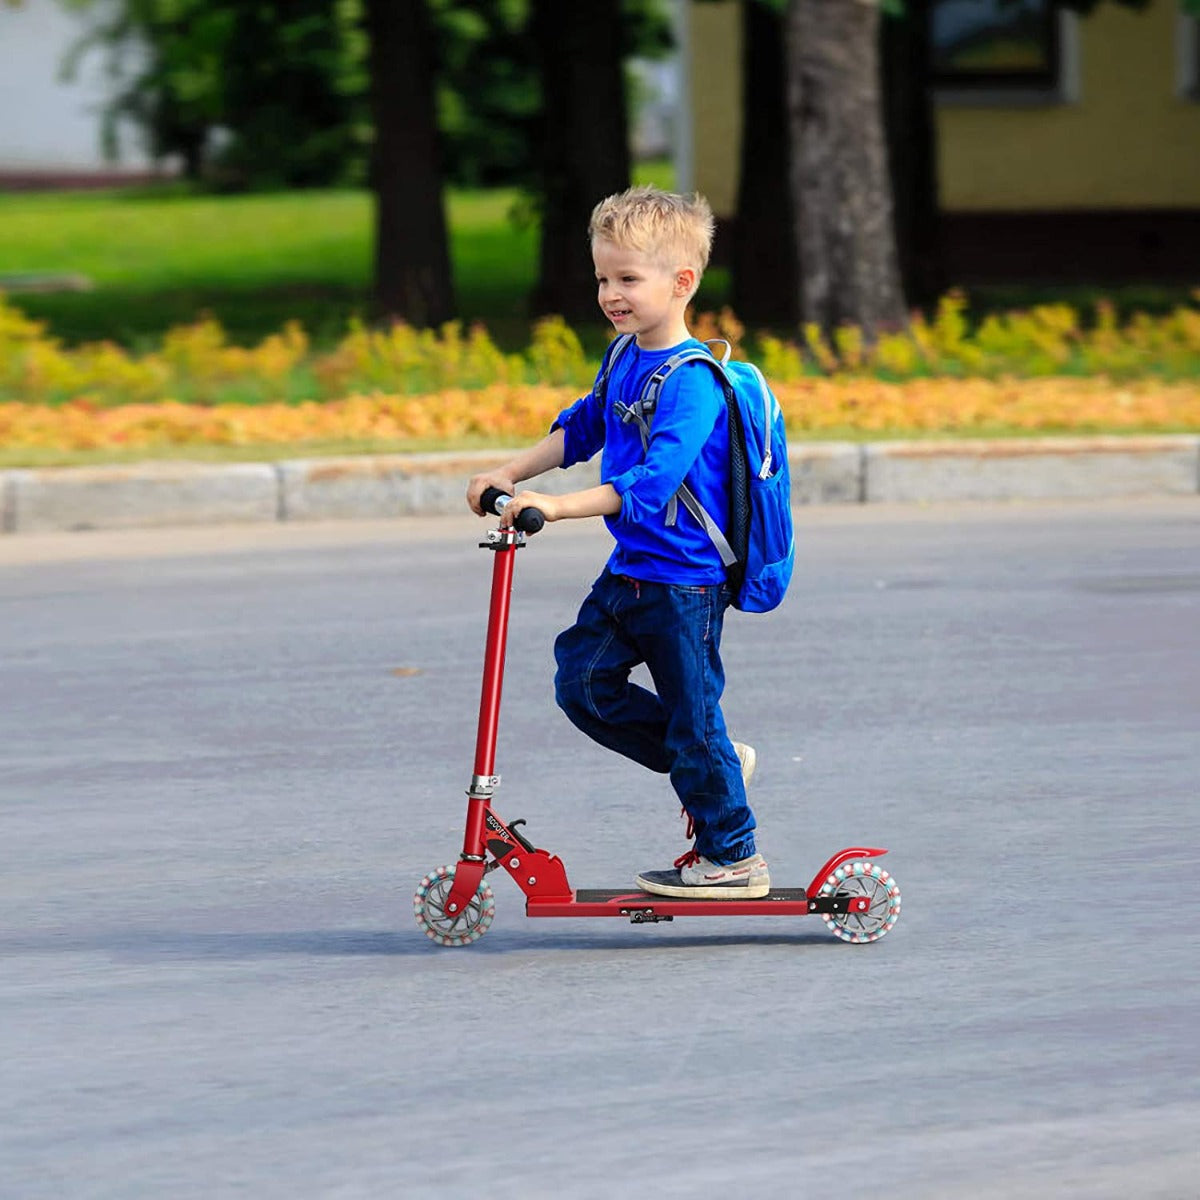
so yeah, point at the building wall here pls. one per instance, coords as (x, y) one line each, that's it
(1129, 139)
(714, 72)
(48, 125)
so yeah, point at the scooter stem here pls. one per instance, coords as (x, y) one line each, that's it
(493, 658)
(504, 543)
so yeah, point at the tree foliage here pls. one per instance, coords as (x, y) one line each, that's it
(248, 93)
(488, 94)
(491, 82)
(255, 93)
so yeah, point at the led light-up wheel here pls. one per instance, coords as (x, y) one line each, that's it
(451, 929)
(883, 901)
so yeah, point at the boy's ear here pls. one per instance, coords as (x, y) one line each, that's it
(685, 281)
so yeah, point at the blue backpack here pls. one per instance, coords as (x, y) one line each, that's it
(758, 547)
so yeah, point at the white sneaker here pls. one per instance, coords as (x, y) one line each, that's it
(748, 759)
(695, 878)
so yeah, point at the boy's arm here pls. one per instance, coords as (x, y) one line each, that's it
(591, 502)
(543, 456)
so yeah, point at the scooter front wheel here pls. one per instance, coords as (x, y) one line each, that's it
(451, 929)
(883, 899)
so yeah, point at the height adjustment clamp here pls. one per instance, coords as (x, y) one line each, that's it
(503, 539)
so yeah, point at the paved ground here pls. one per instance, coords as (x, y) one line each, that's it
(226, 758)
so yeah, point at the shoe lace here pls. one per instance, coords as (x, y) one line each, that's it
(688, 857)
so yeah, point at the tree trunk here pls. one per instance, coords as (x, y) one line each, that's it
(840, 187)
(584, 143)
(912, 150)
(765, 276)
(412, 259)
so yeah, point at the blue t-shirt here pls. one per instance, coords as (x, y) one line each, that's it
(689, 441)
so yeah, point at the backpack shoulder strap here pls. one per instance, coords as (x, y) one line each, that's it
(643, 408)
(648, 401)
(643, 411)
(612, 352)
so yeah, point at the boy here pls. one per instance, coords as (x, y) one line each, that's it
(661, 597)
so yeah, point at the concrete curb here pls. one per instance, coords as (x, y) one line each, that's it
(139, 496)
(178, 493)
(1033, 469)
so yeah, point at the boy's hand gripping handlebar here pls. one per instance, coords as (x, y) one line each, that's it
(529, 520)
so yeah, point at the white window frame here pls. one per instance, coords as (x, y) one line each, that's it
(1187, 57)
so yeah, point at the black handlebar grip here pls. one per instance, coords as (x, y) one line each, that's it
(529, 520)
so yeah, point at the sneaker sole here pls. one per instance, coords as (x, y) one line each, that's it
(759, 887)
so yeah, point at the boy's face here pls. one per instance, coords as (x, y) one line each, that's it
(641, 296)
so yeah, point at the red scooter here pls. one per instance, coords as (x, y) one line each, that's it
(454, 905)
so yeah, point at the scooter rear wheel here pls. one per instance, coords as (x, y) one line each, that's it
(457, 929)
(863, 879)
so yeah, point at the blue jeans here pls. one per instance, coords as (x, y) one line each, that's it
(676, 632)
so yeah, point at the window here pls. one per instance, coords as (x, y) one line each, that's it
(1003, 52)
(994, 43)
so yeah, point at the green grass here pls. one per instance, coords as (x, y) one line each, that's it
(161, 256)
(253, 261)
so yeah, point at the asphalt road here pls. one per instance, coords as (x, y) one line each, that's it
(228, 756)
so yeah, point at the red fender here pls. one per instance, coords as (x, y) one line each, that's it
(842, 856)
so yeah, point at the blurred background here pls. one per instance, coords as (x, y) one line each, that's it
(908, 189)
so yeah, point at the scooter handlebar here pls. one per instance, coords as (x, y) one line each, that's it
(529, 520)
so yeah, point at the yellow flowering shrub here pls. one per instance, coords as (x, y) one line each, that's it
(403, 359)
(979, 407)
(1037, 371)
(197, 363)
(556, 354)
(200, 355)
(1046, 340)
(515, 413)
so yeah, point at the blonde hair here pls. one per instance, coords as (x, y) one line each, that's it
(672, 229)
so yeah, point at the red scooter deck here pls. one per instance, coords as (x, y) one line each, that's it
(640, 906)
